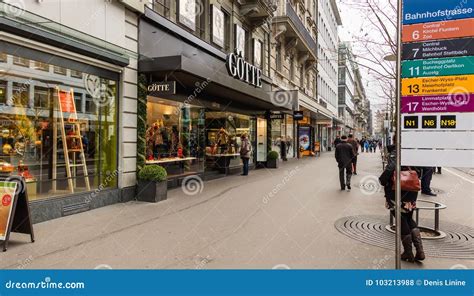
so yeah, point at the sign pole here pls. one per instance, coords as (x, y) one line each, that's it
(398, 195)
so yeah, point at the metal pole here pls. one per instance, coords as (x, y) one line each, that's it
(398, 195)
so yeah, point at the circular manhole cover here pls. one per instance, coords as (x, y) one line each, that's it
(458, 243)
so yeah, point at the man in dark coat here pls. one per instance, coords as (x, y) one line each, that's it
(355, 147)
(344, 155)
(337, 141)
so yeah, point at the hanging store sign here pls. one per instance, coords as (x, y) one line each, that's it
(438, 67)
(438, 49)
(240, 69)
(158, 89)
(276, 116)
(421, 11)
(438, 30)
(298, 115)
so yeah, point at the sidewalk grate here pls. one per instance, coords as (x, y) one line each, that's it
(458, 243)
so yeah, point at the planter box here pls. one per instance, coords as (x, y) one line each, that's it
(152, 191)
(272, 163)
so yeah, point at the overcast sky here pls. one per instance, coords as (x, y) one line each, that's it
(353, 22)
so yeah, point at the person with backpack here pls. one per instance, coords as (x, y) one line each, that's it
(409, 228)
(245, 150)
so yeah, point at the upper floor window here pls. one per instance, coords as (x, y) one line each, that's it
(41, 66)
(60, 70)
(21, 61)
(3, 57)
(278, 57)
(162, 7)
(192, 15)
(257, 53)
(218, 26)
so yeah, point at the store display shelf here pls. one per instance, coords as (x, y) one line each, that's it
(168, 160)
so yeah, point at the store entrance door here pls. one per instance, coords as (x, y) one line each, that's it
(261, 140)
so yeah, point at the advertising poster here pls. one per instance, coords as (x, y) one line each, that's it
(7, 194)
(187, 13)
(217, 26)
(67, 102)
(304, 138)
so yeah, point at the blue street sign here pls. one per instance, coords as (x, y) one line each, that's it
(422, 11)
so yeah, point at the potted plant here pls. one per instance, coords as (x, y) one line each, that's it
(272, 160)
(152, 185)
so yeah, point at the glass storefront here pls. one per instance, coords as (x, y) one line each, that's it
(282, 135)
(58, 151)
(189, 139)
(175, 136)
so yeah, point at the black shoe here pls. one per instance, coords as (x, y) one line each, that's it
(429, 193)
(354, 173)
(348, 187)
(244, 174)
(343, 188)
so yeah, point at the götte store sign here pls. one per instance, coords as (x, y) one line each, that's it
(240, 69)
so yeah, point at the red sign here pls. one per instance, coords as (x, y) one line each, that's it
(67, 102)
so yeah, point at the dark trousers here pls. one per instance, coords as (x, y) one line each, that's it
(354, 164)
(245, 161)
(347, 180)
(426, 176)
(408, 224)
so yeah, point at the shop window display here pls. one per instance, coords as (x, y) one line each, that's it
(35, 143)
(223, 132)
(175, 136)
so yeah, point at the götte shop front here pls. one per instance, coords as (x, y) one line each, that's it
(197, 105)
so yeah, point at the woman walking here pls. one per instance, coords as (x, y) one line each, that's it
(245, 149)
(410, 231)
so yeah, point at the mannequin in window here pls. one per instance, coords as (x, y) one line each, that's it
(222, 140)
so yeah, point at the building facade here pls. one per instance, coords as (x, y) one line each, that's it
(68, 102)
(215, 55)
(346, 89)
(328, 44)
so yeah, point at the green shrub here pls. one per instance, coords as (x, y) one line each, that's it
(154, 173)
(272, 155)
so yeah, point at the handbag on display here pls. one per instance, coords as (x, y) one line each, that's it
(409, 180)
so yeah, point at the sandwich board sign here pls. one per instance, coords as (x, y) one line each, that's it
(14, 209)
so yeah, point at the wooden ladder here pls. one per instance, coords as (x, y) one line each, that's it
(66, 103)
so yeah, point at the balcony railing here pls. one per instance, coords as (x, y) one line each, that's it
(300, 27)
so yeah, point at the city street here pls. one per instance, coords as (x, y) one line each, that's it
(271, 219)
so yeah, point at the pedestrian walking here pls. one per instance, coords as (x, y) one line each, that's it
(366, 145)
(337, 141)
(409, 228)
(245, 150)
(355, 148)
(344, 154)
